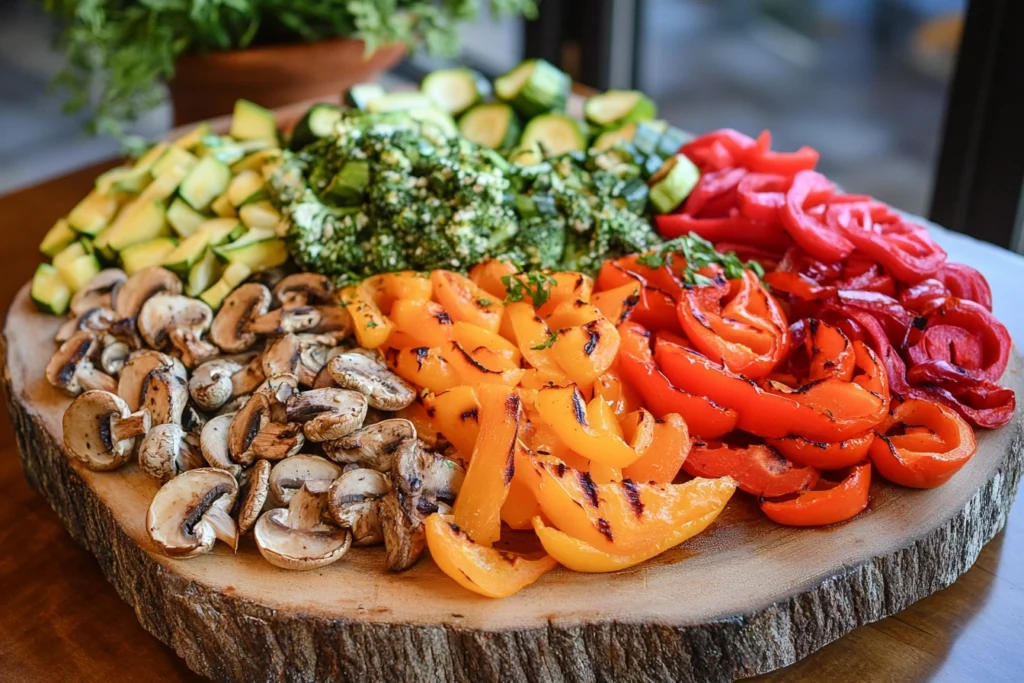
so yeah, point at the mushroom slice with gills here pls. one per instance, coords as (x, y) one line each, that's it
(179, 322)
(230, 330)
(331, 319)
(71, 367)
(291, 474)
(213, 444)
(98, 292)
(373, 445)
(114, 356)
(296, 537)
(354, 501)
(100, 430)
(165, 452)
(366, 372)
(136, 369)
(165, 395)
(326, 414)
(210, 384)
(142, 286)
(254, 434)
(193, 421)
(254, 495)
(302, 355)
(98, 320)
(191, 511)
(301, 289)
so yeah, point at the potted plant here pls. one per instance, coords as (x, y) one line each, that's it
(212, 52)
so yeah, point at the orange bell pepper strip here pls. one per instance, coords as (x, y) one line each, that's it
(616, 304)
(487, 276)
(538, 379)
(703, 417)
(587, 352)
(747, 334)
(602, 419)
(565, 412)
(620, 396)
(472, 337)
(521, 506)
(566, 287)
(463, 300)
(572, 314)
(660, 462)
(490, 572)
(824, 455)
(425, 321)
(473, 369)
(416, 413)
(656, 309)
(922, 460)
(370, 325)
(704, 501)
(477, 509)
(423, 366)
(826, 503)
(757, 469)
(455, 415)
(533, 337)
(387, 288)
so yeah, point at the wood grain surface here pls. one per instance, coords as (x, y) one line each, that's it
(59, 620)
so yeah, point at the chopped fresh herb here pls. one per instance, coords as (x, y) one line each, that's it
(536, 285)
(546, 344)
(371, 324)
(698, 253)
(483, 302)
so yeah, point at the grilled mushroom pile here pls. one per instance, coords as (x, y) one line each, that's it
(259, 418)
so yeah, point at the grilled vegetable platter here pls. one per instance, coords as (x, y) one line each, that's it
(463, 323)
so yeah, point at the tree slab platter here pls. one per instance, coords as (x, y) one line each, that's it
(743, 598)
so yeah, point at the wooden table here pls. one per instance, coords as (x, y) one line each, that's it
(61, 621)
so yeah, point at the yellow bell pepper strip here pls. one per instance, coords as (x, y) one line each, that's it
(623, 518)
(387, 288)
(616, 304)
(487, 276)
(706, 500)
(423, 366)
(477, 509)
(370, 325)
(455, 414)
(472, 337)
(425, 321)
(521, 506)
(472, 370)
(572, 314)
(538, 379)
(490, 572)
(621, 397)
(661, 461)
(638, 429)
(463, 300)
(565, 412)
(566, 287)
(587, 352)
(533, 337)
(602, 418)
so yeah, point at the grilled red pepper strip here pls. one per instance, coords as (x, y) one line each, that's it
(981, 402)
(760, 196)
(757, 469)
(761, 159)
(966, 334)
(965, 282)
(824, 455)
(636, 365)
(712, 186)
(824, 505)
(718, 149)
(733, 228)
(809, 231)
(656, 308)
(923, 460)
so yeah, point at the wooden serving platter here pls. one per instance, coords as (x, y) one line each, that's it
(745, 597)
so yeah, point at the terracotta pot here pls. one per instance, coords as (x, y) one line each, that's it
(207, 85)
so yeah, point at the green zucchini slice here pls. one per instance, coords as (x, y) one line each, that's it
(672, 184)
(534, 87)
(492, 125)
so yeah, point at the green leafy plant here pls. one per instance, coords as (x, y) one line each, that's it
(130, 46)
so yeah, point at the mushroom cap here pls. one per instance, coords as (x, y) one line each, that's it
(354, 503)
(300, 289)
(230, 327)
(87, 431)
(98, 319)
(189, 512)
(114, 357)
(291, 474)
(165, 314)
(71, 366)
(367, 373)
(165, 395)
(211, 383)
(137, 289)
(296, 538)
(165, 453)
(98, 292)
(256, 490)
(373, 445)
(213, 443)
(302, 355)
(137, 368)
(326, 414)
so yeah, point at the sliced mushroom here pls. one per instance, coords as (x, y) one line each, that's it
(213, 443)
(98, 292)
(165, 395)
(255, 495)
(193, 421)
(179, 322)
(366, 372)
(333, 320)
(354, 502)
(137, 368)
(230, 330)
(296, 537)
(210, 384)
(372, 446)
(114, 356)
(303, 355)
(165, 452)
(190, 512)
(301, 289)
(253, 434)
(290, 474)
(98, 320)
(327, 414)
(100, 430)
(71, 367)
(140, 287)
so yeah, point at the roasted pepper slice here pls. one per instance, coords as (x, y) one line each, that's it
(565, 412)
(521, 506)
(586, 352)
(824, 455)
(370, 325)
(826, 503)
(757, 469)
(620, 396)
(472, 337)
(463, 300)
(423, 366)
(387, 288)
(488, 274)
(455, 414)
(906, 455)
(571, 314)
(490, 572)
(809, 231)
(616, 304)
(533, 337)
(660, 461)
(425, 321)
(473, 369)
(566, 287)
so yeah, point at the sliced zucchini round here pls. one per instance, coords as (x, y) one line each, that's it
(492, 125)
(556, 134)
(455, 90)
(534, 87)
(672, 184)
(618, 107)
(49, 291)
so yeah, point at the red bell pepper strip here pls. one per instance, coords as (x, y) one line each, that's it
(733, 228)
(824, 505)
(761, 159)
(807, 230)
(905, 250)
(924, 296)
(982, 346)
(718, 149)
(829, 351)
(908, 457)
(981, 402)
(656, 308)
(824, 455)
(757, 469)
(712, 186)
(965, 282)
(760, 196)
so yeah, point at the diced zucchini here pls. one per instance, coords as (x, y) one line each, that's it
(647, 135)
(212, 232)
(152, 155)
(234, 275)
(259, 249)
(174, 157)
(348, 187)
(245, 188)
(253, 122)
(163, 186)
(672, 184)
(205, 182)
(671, 140)
(635, 192)
(651, 165)
(183, 218)
(610, 138)
(93, 213)
(534, 87)
(398, 101)
(432, 117)
(530, 206)
(57, 238)
(146, 254)
(122, 179)
(232, 152)
(318, 122)
(556, 134)
(203, 274)
(456, 90)
(101, 246)
(140, 221)
(256, 161)
(49, 291)
(191, 139)
(260, 215)
(361, 94)
(70, 253)
(491, 125)
(616, 108)
(77, 264)
(222, 207)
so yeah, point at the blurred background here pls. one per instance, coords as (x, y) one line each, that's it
(866, 82)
